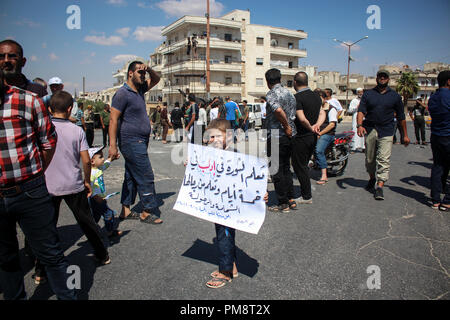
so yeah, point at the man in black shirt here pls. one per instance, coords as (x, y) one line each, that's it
(176, 119)
(12, 62)
(309, 118)
(377, 109)
(417, 115)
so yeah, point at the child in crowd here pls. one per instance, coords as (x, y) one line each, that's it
(219, 138)
(98, 203)
(64, 177)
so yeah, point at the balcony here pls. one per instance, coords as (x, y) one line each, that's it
(200, 65)
(187, 20)
(299, 53)
(199, 88)
(289, 33)
(216, 43)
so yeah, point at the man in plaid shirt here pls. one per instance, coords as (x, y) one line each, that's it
(27, 144)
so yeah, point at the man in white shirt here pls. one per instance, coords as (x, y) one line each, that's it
(56, 85)
(357, 142)
(333, 102)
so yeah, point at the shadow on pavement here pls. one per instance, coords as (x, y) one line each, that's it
(416, 180)
(415, 195)
(427, 165)
(207, 252)
(357, 183)
(161, 196)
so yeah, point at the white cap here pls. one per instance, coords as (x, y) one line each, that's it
(54, 80)
(94, 150)
(359, 89)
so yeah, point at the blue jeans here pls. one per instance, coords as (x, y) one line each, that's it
(322, 144)
(102, 210)
(227, 247)
(34, 212)
(139, 176)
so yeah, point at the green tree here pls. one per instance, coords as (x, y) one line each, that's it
(407, 86)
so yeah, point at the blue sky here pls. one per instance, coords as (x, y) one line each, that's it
(412, 32)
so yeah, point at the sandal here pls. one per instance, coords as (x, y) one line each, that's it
(132, 216)
(115, 233)
(151, 219)
(322, 182)
(279, 208)
(215, 273)
(443, 208)
(39, 279)
(292, 205)
(222, 281)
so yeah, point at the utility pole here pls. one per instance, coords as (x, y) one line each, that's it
(348, 65)
(208, 66)
(84, 87)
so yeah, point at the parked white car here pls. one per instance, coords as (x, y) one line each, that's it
(254, 116)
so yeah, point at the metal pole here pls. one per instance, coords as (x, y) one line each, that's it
(208, 67)
(348, 78)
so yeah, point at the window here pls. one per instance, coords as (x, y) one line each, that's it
(228, 81)
(259, 61)
(228, 59)
(228, 37)
(259, 82)
(291, 64)
(289, 84)
(290, 45)
(259, 41)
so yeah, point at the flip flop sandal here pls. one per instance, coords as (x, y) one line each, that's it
(151, 219)
(214, 274)
(293, 205)
(132, 216)
(39, 279)
(322, 182)
(222, 281)
(443, 208)
(115, 233)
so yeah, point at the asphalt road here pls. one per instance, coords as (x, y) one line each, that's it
(321, 251)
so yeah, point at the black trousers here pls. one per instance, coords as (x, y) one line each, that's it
(105, 135)
(419, 128)
(302, 150)
(440, 147)
(90, 134)
(79, 205)
(281, 164)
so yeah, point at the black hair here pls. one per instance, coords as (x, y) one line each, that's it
(329, 90)
(263, 98)
(301, 78)
(273, 76)
(132, 66)
(443, 77)
(10, 41)
(61, 101)
(191, 97)
(177, 104)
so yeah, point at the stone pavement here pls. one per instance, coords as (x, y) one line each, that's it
(321, 251)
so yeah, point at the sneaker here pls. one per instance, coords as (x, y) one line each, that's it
(304, 201)
(379, 194)
(371, 185)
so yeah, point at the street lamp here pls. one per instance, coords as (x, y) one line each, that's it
(348, 63)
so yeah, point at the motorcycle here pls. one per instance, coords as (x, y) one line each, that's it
(337, 154)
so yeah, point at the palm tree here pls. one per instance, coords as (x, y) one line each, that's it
(407, 86)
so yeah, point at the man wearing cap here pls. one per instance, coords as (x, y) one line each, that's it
(56, 85)
(357, 142)
(376, 123)
(12, 62)
(132, 133)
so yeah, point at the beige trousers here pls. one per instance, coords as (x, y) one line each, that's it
(378, 155)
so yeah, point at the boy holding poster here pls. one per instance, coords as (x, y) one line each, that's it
(218, 137)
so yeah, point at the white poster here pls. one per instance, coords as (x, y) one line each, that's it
(224, 187)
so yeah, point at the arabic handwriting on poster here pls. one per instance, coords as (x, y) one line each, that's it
(224, 187)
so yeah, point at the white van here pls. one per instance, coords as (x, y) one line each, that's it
(254, 115)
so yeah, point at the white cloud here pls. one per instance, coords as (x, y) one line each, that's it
(53, 56)
(144, 5)
(149, 33)
(122, 58)
(104, 41)
(124, 32)
(178, 8)
(34, 58)
(117, 2)
(27, 22)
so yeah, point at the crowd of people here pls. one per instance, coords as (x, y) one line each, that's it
(48, 155)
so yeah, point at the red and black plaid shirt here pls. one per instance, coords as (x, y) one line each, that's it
(25, 129)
